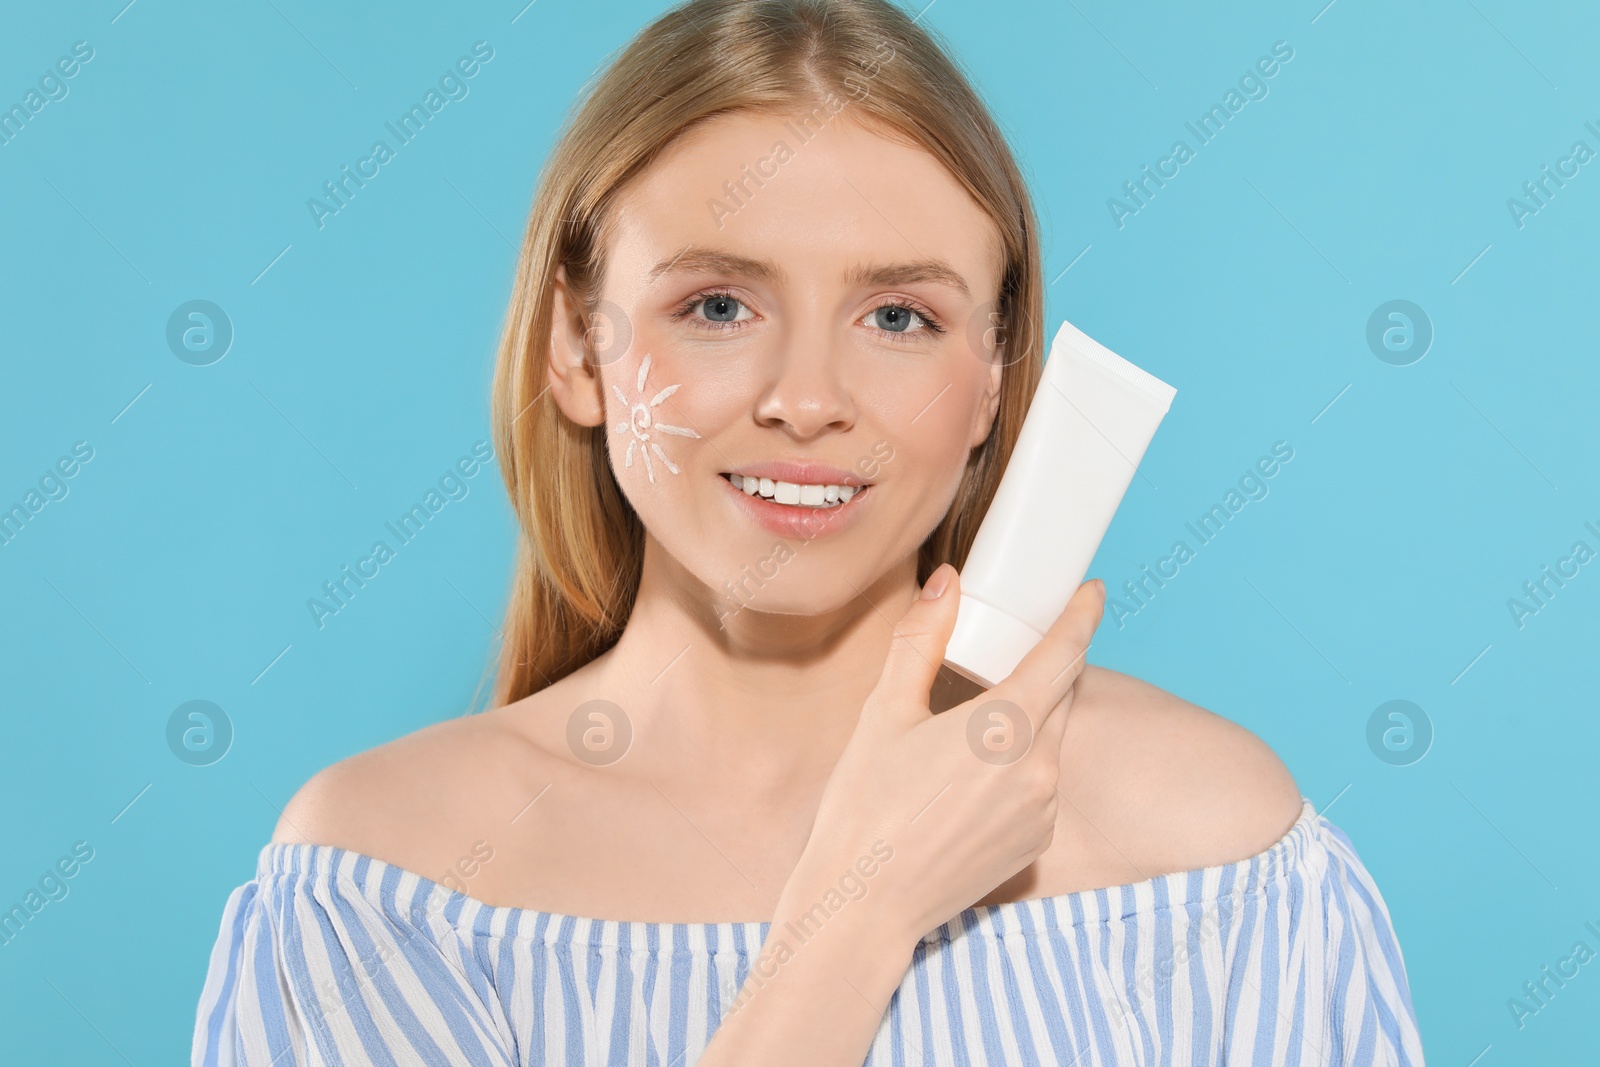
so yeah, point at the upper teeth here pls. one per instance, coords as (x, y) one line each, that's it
(809, 496)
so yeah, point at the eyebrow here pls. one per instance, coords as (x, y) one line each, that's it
(712, 261)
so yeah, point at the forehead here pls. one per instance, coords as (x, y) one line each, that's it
(767, 186)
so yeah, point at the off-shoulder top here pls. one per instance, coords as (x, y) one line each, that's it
(1287, 957)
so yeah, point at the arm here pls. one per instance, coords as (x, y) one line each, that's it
(918, 821)
(817, 993)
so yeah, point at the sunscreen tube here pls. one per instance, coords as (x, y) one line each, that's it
(1090, 420)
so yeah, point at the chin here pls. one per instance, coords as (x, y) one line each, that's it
(795, 580)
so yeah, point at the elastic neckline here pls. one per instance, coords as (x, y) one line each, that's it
(391, 887)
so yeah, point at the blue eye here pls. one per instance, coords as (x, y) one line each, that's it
(721, 310)
(719, 306)
(895, 318)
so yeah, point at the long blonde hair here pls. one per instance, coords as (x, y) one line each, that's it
(581, 546)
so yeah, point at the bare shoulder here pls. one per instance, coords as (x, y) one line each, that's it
(423, 800)
(1159, 784)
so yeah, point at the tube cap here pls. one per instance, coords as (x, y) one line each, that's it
(987, 644)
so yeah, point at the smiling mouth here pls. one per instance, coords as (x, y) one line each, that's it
(797, 495)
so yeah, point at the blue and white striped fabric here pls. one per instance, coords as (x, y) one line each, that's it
(1287, 957)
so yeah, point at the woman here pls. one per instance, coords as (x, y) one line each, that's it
(783, 251)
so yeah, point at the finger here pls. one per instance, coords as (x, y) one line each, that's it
(917, 648)
(1054, 730)
(1048, 670)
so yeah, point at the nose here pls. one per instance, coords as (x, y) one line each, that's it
(806, 396)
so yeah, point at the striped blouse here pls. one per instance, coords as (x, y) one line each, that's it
(1287, 957)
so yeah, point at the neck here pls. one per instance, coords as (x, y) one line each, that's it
(747, 690)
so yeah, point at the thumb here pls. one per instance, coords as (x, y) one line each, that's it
(917, 647)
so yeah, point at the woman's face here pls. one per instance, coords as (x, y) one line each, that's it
(817, 313)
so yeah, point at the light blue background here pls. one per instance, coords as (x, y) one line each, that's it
(1418, 501)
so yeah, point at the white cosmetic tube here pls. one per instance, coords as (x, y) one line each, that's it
(1087, 428)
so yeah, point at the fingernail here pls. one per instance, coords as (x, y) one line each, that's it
(938, 582)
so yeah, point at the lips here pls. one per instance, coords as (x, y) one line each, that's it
(797, 521)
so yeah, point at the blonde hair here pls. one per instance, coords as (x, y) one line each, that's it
(581, 546)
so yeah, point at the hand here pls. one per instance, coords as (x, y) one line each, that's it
(957, 806)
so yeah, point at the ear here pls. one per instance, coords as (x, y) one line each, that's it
(990, 407)
(574, 380)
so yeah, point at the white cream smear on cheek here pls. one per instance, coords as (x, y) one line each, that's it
(642, 425)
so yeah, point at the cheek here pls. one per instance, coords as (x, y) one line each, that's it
(641, 419)
(926, 420)
(932, 463)
(660, 411)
